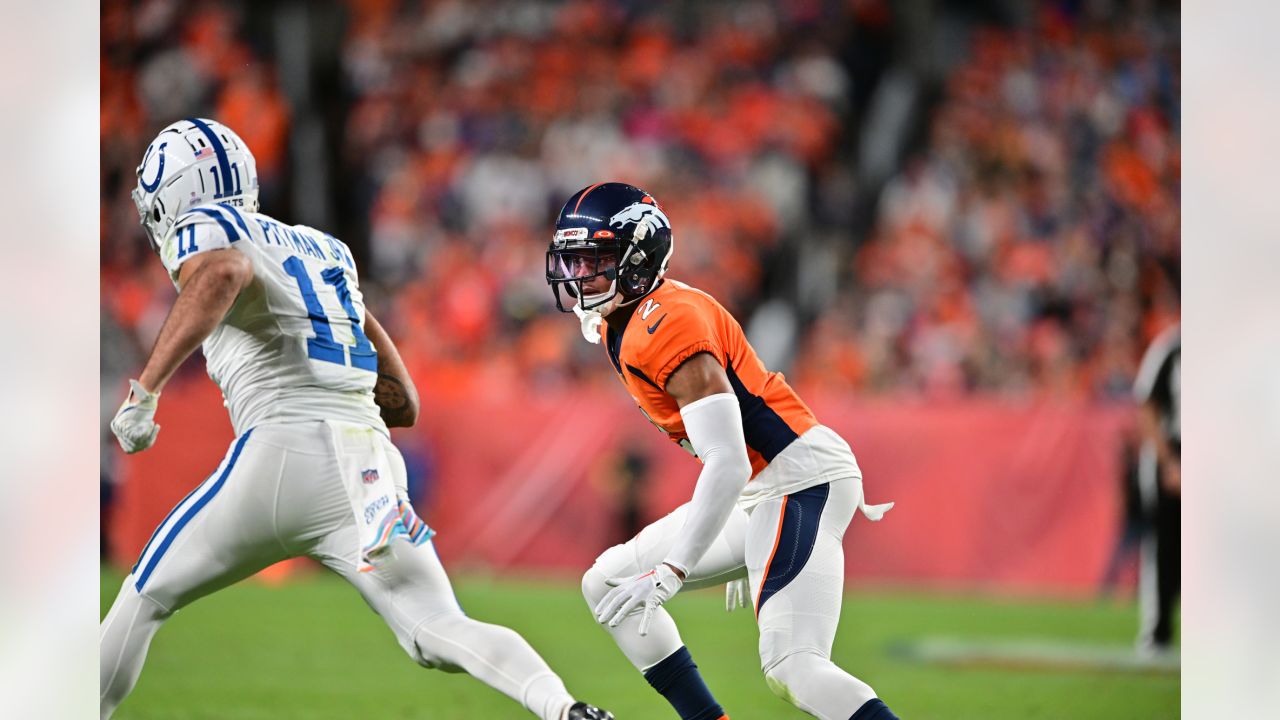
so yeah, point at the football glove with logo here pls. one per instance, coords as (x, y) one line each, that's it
(649, 589)
(134, 424)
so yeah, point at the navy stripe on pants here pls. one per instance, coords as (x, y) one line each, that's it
(191, 513)
(801, 512)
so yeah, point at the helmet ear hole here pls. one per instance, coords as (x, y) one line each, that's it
(155, 214)
(634, 282)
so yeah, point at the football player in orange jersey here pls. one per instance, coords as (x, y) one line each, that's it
(776, 490)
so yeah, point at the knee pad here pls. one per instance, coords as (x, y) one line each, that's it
(785, 674)
(810, 681)
(593, 587)
(611, 563)
(425, 644)
(154, 608)
(453, 642)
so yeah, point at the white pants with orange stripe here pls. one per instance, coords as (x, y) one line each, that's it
(791, 550)
(278, 494)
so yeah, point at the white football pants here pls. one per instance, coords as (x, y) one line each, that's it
(790, 549)
(276, 495)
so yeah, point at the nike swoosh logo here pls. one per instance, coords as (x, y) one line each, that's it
(654, 327)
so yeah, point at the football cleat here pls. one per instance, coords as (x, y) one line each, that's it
(583, 711)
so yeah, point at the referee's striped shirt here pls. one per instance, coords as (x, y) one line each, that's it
(1159, 382)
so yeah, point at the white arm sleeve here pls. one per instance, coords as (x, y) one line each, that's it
(714, 426)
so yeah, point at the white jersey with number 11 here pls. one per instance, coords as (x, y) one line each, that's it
(292, 348)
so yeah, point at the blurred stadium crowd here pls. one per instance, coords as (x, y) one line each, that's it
(1023, 241)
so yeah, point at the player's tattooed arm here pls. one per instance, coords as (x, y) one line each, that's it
(394, 392)
(393, 400)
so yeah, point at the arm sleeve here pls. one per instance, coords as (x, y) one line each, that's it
(714, 425)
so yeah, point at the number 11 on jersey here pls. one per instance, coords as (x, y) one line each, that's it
(323, 347)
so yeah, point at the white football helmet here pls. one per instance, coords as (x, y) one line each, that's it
(192, 162)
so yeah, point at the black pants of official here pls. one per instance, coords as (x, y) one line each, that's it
(1167, 530)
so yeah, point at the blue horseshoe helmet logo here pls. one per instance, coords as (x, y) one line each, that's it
(151, 186)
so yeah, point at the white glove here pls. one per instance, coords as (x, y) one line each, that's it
(650, 589)
(134, 424)
(735, 594)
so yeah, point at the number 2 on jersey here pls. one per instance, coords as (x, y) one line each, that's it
(323, 346)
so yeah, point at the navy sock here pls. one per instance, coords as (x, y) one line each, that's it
(874, 709)
(678, 680)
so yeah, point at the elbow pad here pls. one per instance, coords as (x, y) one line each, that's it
(714, 427)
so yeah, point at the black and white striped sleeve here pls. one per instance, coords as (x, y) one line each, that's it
(1154, 362)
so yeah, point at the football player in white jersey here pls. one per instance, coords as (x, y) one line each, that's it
(312, 382)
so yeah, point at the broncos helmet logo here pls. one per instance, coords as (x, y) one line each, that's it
(647, 217)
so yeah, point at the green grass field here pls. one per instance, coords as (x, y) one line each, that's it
(312, 649)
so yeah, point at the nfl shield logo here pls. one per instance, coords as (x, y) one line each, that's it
(369, 476)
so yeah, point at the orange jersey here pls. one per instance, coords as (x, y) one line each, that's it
(675, 322)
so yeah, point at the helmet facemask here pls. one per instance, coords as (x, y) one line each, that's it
(572, 266)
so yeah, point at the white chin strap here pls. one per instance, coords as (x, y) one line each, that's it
(592, 318)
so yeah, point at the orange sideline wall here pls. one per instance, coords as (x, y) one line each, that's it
(991, 495)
